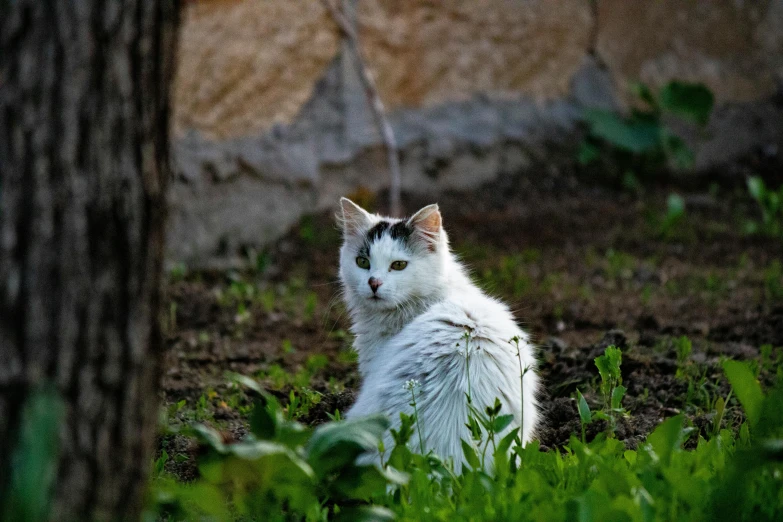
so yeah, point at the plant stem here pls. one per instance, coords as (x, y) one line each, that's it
(418, 421)
(522, 373)
(378, 110)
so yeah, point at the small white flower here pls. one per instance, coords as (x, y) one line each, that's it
(411, 385)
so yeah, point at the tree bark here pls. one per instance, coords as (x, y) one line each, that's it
(84, 165)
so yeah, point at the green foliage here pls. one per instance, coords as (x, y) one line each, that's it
(585, 415)
(643, 132)
(608, 366)
(178, 272)
(280, 471)
(746, 387)
(247, 294)
(277, 378)
(773, 281)
(683, 348)
(675, 213)
(620, 265)
(510, 275)
(691, 101)
(285, 471)
(770, 202)
(613, 392)
(34, 459)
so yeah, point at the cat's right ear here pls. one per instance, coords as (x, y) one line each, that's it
(354, 219)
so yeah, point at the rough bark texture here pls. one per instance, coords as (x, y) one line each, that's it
(84, 103)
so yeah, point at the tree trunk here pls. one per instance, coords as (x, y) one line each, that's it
(84, 165)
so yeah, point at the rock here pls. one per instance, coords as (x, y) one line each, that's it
(244, 66)
(735, 48)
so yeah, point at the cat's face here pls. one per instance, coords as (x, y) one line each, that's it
(387, 263)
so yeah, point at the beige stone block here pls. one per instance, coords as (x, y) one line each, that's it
(734, 47)
(426, 52)
(246, 65)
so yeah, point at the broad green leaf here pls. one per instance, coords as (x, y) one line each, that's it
(630, 456)
(609, 367)
(746, 388)
(336, 444)
(505, 443)
(720, 408)
(609, 363)
(501, 423)
(588, 153)
(584, 409)
(692, 101)
(617, 397)
(210, 436)
(473, 426)
(364, 514)
(636, 135)
(644, 93)
(771, 419)
(34, 458)
(263, 423)
(160, 463)
(470, 455)
(771, 450)
(667, 438)
(756, 187)
(207, 497)
(744, 434)
(675, 205)
(248, 382)
(362, 482)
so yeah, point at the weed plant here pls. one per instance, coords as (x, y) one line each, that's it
(284, 470)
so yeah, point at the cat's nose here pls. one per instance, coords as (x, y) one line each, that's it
(374, 283)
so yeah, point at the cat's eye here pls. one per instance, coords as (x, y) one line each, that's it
(363, 262)
(399, 265)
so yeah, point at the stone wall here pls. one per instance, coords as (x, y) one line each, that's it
(272, 123)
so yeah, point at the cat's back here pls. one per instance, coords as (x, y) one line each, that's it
(463, 316)
(467, 343)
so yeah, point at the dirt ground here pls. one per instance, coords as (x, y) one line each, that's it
(583, 263)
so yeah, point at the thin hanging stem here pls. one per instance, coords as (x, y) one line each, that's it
(378, 109)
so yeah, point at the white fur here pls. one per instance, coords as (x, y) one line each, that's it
(416, 330)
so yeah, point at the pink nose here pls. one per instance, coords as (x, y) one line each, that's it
(374, 284)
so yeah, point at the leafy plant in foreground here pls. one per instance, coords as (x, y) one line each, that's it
(281, 470)
(34, 459)
(285, 471)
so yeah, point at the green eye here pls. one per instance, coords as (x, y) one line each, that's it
(399, 265)
(363, 262)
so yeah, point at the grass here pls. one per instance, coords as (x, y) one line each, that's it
(284, 470)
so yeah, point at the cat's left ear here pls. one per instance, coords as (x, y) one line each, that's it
(354, 219)
(427, 222)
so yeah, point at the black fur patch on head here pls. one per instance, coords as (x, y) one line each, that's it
(399, 230)
(377, 231)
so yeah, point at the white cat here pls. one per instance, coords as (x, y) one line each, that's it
(412, 304)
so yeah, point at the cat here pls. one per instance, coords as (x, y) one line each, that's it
(419, 321)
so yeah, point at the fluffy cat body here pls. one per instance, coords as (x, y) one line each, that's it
(425, 323)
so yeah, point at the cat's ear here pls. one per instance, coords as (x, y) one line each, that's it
(427, 222)
(354, 219)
